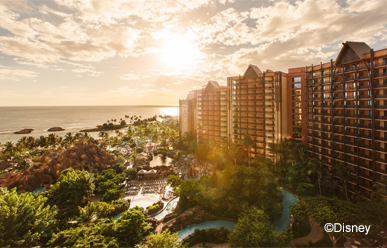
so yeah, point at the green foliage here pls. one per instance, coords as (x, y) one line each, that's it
(254, 229)
(377, 210)
(139, 149)
(72, 189)
(306, 189)
(131, 227)
(175, 181)
(327, 210)
(118, 167)
(164, 239)
(94, 235)
(112, 194)
(25, 220)
(92, 213)
(231, 191)
(212, 235)
(109, 183)
(153, 207)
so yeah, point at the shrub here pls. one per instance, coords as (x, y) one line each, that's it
(212, 235)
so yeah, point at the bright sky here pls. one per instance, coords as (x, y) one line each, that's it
(139, 52)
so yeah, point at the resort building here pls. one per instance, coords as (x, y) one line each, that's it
(347, 114)
(297, 105)
(212, 112)
(258, 107)
(188, 114)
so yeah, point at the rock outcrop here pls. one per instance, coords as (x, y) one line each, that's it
(55, 129)
(195, 215)
(155, 208)
(24, 131)
(47, 168)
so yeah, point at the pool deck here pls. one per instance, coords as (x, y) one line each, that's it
(315, 235)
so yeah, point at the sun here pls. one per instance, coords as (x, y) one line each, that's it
(179, 53)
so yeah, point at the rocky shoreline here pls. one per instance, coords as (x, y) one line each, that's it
(55, 129)
(24, 131)
(102, 128)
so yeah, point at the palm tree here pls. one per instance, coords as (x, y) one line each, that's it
(9, 146)
(42, 141)
(92, 213)
(317, 166)
(52, 140)
(345, 173)
(247, 143)
(31, 142)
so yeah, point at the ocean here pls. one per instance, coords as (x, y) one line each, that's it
(71, 118)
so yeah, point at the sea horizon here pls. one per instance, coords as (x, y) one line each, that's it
(71, 118)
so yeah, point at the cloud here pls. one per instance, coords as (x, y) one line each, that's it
(129, 77)
(90, 72)
(16, 74)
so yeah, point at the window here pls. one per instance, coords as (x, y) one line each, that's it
(297, 79)
(297, 123)
(296, 86)
(296, 92)
(296, 117)
(297, 129)
(296, 98)
(297, 111)
(296, 104)
(297, 135)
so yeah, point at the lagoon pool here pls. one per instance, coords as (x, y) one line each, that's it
(284, 221)
(38, 190)
(169, 208)
(188, 230)
(280, 224)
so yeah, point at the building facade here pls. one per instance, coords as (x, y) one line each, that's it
(297, 105)
(258, 108)
(212, 112)
(347, 107)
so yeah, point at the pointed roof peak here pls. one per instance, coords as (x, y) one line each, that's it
(252, 72)
(352, 51)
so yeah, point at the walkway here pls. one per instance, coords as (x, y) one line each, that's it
(314, 236)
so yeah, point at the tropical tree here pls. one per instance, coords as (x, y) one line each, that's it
(164, 239)
(330, 210)
(317, 166)
(25, 219)
(131, 227)
(9, 146)
(345, 174)
(93, 213)
(94, 235)
(247, 142)
(380, 192)
(254, 229)
(72, 189)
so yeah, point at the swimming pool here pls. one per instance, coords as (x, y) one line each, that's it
(188, 230)
(280, 224)
(38, 190)
(169, 208)
(284, 221)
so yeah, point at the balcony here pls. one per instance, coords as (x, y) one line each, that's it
(361, 154)
(381, 96)
(380, 85)
(380, 75)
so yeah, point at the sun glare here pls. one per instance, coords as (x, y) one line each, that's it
(179, 53)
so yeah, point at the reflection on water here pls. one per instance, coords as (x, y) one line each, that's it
(169, 111)
(160, 159)
(206, 225)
